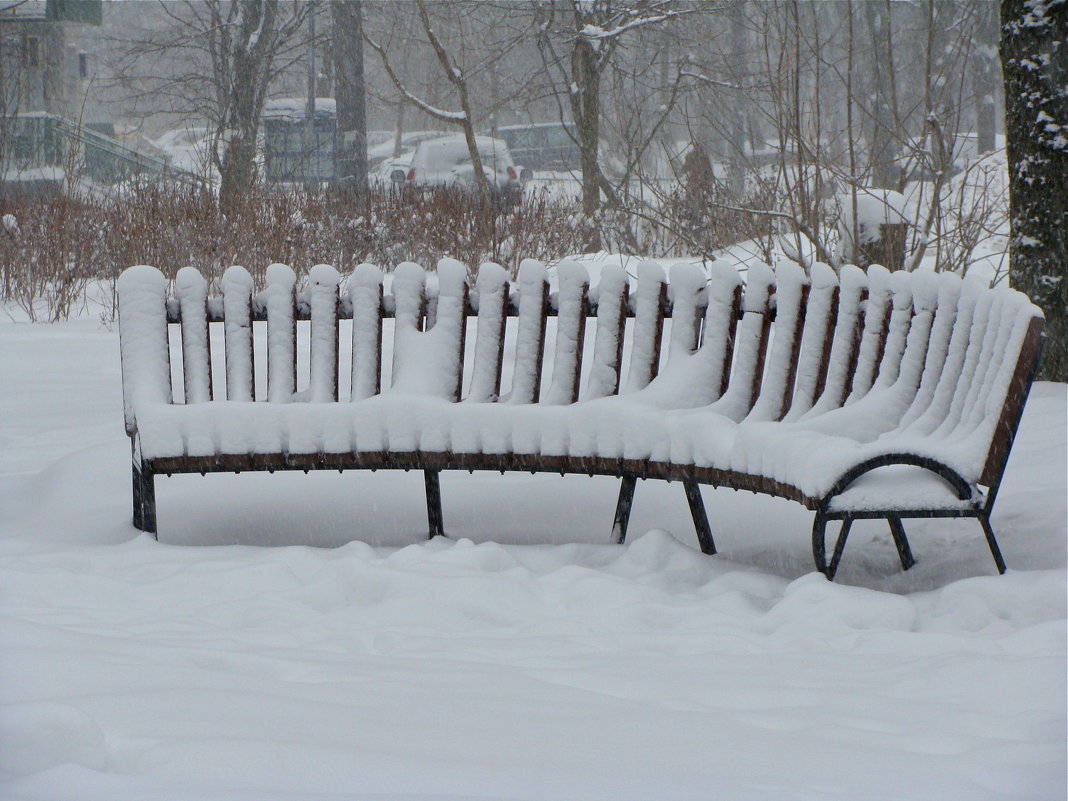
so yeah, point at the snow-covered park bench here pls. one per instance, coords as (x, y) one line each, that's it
(858, 395)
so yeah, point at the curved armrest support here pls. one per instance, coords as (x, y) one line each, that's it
(946, 473)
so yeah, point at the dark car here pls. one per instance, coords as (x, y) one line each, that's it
(543, 145)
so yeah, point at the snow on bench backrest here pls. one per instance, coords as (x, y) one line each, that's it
(365, 298)
(750, 346)
(191, 290)
(915, 355)
(491, 295)
(530, 338)
(280, 301)
(814, 355)
(648, 331)
(430, 361)
(323, 281)
(574, 284)
(237, 286)
(143, 346)
(791, 295)
(612, 293)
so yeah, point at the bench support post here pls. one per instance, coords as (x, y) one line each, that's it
(144, 499)
(901, 541)
(700, 518)
(138, 500)
(984, 521)
(433, 504)
(819, 545)
(623, 504)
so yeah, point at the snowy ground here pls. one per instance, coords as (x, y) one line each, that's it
(353, 660)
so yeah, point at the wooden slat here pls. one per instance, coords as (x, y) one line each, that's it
(237, 334)
(192, 292)
(896, 332)
(751, 343)
(492, 288)
(448, 331)
(530, 342)
(723, 308)
(409, 294)
(607, 363)
(574, 284)
(280, 301)
(821, 309)
(365, 295)
(648, 332)
(876, 320)
(323, 282)
(687, 293)
(937, 362)
(791, 295)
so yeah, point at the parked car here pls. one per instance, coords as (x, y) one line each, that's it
(543, 145)
(384, 149)
(445, 164)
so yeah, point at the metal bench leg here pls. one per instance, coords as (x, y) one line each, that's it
(819, 545)
(984, 521)
(839, 548)
(901, 541)
(623, 504)
(700, 518)
(433, 503)
(148, 502)
(138, 500)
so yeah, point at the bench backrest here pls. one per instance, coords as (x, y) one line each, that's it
(923, 353)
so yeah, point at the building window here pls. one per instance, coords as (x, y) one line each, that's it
(31, 51)
(83, 65)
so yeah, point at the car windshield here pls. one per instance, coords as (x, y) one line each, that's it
(446, 154)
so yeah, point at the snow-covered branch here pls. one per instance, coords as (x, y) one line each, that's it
(415, 100)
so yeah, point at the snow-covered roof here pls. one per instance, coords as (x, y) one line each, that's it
(296, 108)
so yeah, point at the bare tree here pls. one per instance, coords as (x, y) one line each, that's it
(468, 57)
(214, 59)
(579, 40)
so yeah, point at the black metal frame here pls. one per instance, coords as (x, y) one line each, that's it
(144, 494)
(981, 508)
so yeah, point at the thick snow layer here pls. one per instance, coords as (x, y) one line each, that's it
(210, 667)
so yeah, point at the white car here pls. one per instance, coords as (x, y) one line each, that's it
(381, 149)
(445, 163)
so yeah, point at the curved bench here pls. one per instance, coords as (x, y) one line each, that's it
(858, 395)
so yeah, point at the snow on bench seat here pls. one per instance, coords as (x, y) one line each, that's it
(857, 394)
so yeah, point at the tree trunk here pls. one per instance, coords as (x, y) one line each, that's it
(739, 102)
(1034, 60)
(350, 95)
(986, 67)
(884, 170)
(585, 109)
(246, 89)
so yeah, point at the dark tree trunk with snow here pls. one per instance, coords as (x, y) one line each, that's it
(350, 94)
(1034, 60)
